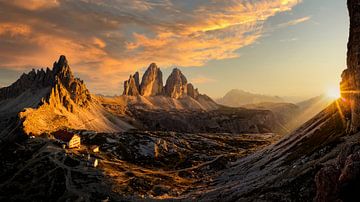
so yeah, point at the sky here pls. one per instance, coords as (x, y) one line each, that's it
(275, 47)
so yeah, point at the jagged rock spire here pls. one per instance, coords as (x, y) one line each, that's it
(132, 86)
(152, 81)
(176, 84)
(64, 78)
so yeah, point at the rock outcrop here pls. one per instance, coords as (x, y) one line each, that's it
(176, 85)
(191, 91)
(132, 86)
(350, 84)
(76, 88)
(152, 82)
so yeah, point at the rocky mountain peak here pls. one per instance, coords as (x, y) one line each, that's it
(59, 79)
(176, 84)
(152, 81)
(66, 83)
(132, 86)
(350, 83)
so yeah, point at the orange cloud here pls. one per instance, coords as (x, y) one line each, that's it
(35, 4)
(14, 29)
(116, 37)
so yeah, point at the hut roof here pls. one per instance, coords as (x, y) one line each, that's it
(64, 135)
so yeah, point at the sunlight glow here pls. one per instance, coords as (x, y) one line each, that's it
(333, 93)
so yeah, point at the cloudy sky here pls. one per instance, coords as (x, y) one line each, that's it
(280, 47)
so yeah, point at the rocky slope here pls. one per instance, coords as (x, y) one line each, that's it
(133, 166)
(319, 161)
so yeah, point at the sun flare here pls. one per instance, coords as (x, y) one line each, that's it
(333, 93)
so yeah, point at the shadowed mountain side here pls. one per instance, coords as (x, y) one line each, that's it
(287, 170)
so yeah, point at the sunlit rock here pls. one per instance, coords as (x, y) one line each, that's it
(152, 81)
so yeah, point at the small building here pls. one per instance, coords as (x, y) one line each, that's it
(71, 139)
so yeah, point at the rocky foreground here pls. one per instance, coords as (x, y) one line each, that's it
(132, 165)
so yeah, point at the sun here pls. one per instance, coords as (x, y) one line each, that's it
(333, 93)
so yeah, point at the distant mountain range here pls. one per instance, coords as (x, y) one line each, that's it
(238, 98)
(292, 115)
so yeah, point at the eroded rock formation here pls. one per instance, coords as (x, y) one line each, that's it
(59, 79)
(132, 86)
(152, 82)
(176, 85)
(76, 88)
(191, 91)
(350, 84)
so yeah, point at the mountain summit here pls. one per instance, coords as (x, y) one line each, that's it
(65, 87)
(47, 101)
(176, 85)
(152, 81)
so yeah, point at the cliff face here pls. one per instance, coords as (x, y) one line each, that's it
(350, 84)
(152, 82)
(132, 86)
(71, 87)
(176, 85)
